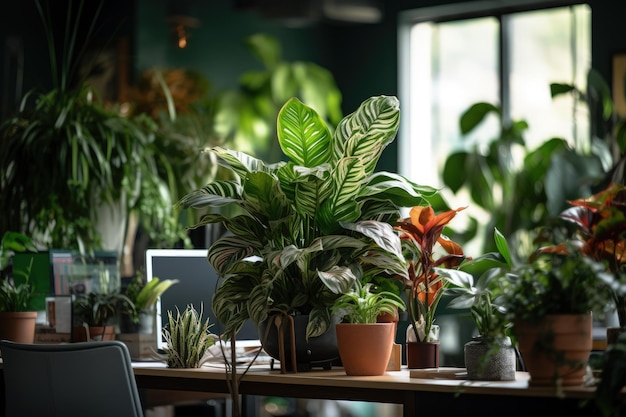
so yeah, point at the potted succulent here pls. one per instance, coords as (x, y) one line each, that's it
(188, 339)
(364, 343)
(550, 300)
(302, 231)
(17, 322)
(425, 248)
(143, 295)
(475, 286)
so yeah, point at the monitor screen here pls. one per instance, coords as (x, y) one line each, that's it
(196, 286)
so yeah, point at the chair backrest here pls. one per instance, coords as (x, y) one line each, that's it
(92, 379)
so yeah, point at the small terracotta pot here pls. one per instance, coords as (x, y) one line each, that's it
(422, 355)
(18, 326)
(365, 349)
(93, 333)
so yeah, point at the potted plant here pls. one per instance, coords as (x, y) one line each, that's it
(188, 339)
(425, 248)
(105, 164)
(96, 312)
(364, 343)
(143, 295)
(17, 322)
(550, 300)
(475, 285)
(302, 231)
(600, 226)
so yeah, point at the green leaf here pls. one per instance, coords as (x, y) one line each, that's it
(367, 132)
(302, 134)
(473, 116)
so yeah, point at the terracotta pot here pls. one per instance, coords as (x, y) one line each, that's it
(365, 349)
(18, 326)
(93, 333)
(421, 355)
(489, 359)
(556, 349)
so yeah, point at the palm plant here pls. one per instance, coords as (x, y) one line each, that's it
(302, 231)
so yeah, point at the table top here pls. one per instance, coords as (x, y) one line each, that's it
(442, 380)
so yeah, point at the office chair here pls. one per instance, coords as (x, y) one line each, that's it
(92, 379)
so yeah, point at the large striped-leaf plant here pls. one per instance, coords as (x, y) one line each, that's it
(302, 230)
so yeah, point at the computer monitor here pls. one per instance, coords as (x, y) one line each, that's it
(196, 286)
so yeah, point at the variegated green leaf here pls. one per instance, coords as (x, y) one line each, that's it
(381, 233)
(216, 194)
(239, 162)
(265, 196)
(347, 180)
(366, 132)
(228, 250)
(393, 187)
(302, 134)
(319, 320)
(339, 279)
(259, 303)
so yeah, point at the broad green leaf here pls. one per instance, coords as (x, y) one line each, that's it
(475, 115)
(367, 132)
(302, 134)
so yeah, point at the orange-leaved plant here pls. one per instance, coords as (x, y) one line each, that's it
(425, 248)
(601, 221)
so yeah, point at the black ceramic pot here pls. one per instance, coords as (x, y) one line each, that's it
(317, 352)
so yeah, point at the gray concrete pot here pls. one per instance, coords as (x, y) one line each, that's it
(490, 359)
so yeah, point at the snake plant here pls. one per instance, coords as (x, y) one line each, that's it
(303, 230)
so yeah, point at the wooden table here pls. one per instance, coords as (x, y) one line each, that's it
(418, 396)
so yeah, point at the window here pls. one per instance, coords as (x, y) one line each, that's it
(456, 55)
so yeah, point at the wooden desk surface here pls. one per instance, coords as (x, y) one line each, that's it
(393, 387)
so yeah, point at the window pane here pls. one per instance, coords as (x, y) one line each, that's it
(453, 65)
(544, 49)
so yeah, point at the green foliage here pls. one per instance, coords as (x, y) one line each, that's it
(93, 154)
(476, 285)
(99, 308)
(303, 230)
(188, 339)
(15, 297)
(246, 115)
(557, 280)
(363, 304)
(521, 194)
(145, 295)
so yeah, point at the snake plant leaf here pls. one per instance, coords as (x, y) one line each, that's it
(302, 134)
